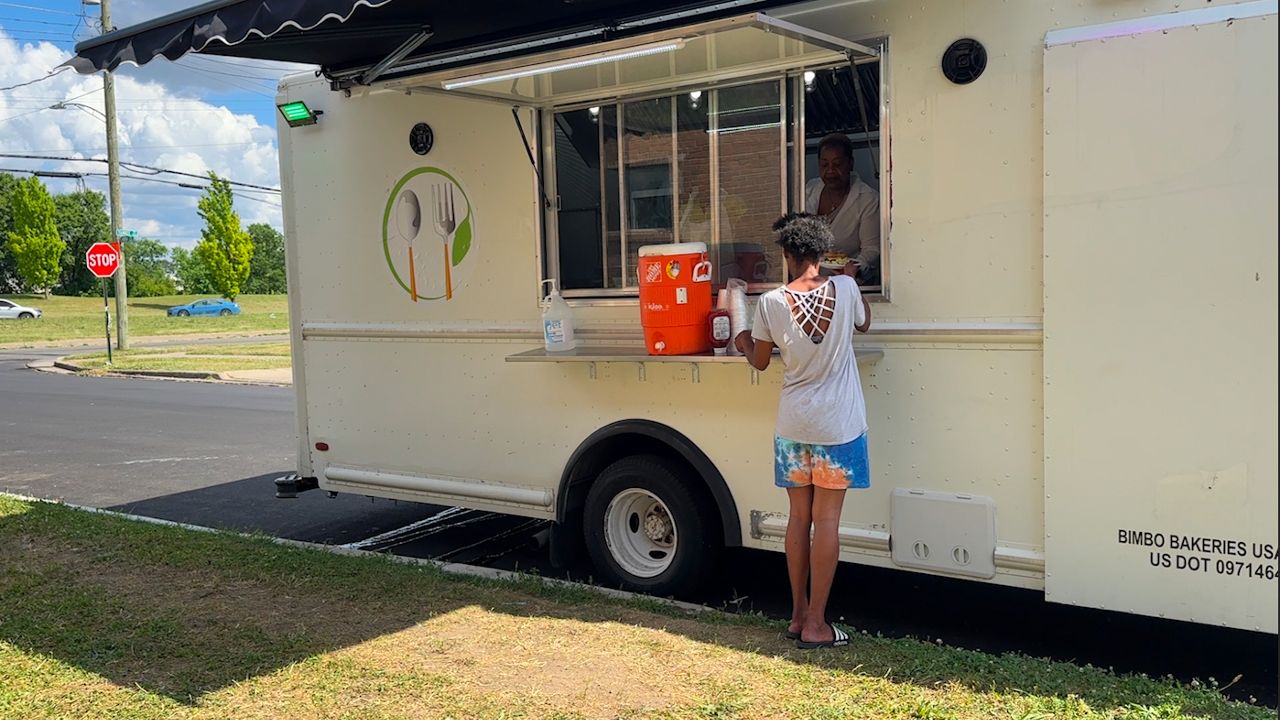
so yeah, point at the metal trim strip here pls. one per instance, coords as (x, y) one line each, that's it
(774, 525)
(1014, 333)
(441, 486)
(1155, 23)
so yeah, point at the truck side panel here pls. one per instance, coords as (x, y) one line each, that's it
(1160, 433)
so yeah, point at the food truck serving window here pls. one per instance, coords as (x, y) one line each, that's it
(702, 133)
(716, 165)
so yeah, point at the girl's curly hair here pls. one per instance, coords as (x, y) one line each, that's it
(804, 236)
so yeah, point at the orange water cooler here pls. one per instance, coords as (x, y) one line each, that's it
(675, 298)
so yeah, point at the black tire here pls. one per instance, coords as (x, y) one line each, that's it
(697, 543)
(26, 316)
(183, 313)
(224, 312)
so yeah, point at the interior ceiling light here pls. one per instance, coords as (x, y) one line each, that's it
(570, 64)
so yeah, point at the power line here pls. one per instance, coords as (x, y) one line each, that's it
(214, 75)
(264, 201)
(241, 74)
(33, 35)
(154, 147)
(61, 174)
(8, 18)
(132, 166)
(37, 9)
(32, 112)
(230, 63)
(15, 117)
(164, 103)
(33, 82)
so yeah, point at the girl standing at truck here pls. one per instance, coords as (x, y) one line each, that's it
(820, 446)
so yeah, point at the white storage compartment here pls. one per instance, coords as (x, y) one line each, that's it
(943, 532)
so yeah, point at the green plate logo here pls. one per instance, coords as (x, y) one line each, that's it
(427, 233)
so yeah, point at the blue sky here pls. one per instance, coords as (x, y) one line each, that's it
(197, 114)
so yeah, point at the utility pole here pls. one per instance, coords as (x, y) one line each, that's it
(113, 181)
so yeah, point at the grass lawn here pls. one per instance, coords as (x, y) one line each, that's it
(212, 358)
(101, 617)
(73, 318)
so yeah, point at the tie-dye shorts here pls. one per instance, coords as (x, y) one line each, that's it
(834, 467)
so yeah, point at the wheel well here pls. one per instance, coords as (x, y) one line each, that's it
(644, 437)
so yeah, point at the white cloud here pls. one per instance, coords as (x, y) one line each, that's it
(161, 122)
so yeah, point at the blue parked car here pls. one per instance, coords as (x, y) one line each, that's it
(205, 307)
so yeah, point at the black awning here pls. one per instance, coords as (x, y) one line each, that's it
(342, 35)
(225, 27)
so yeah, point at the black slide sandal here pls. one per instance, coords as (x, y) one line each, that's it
(840, 640)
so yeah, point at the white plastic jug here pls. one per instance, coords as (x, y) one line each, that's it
(557, 321)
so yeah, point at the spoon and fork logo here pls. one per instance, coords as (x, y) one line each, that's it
(425, 202)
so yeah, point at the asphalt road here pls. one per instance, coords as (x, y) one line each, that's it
(192, 452)
(207, 454)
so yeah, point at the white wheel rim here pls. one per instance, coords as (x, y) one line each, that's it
(640, 532)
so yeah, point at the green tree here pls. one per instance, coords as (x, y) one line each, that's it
(224, 249)
(82, 221)
(34, 242)
(148, 268)
(192, 274)
(266, 271)
(10, 281)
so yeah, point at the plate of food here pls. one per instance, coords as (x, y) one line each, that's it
(835, 262)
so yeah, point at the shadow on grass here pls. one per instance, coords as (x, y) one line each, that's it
(184, 614)
(152, 305)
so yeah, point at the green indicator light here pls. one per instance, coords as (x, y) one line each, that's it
(297, 114)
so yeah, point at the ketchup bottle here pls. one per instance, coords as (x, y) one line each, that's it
(718, 327)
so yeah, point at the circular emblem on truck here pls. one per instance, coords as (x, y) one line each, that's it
(421, 138)
(428, 232)
(964, 61)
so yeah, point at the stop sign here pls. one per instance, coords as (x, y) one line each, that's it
(102, 259)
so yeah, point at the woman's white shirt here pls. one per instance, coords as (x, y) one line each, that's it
(821, 399)
(856, 224)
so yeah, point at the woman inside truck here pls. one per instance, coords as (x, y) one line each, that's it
(849, 206)
(820, 445)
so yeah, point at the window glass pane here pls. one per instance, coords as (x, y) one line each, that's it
(609, 184)
(846, 190)
(749, 139)
(693, 158)
(578, 182)
(647, 145)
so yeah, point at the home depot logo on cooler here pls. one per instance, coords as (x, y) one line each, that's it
(653, 272)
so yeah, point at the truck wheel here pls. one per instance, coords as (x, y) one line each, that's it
(646, 530)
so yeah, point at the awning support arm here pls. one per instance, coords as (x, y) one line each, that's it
(406, 47)
(515, 115)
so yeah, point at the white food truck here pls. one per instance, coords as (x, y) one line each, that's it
(1071, 377)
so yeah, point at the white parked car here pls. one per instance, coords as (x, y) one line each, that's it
(10, 309)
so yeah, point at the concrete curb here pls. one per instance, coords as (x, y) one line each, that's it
(144, 341)
(450, 568)
(61, 364)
